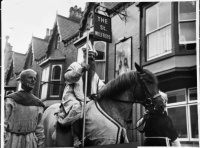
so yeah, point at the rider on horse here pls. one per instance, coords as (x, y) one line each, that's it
(73, 96)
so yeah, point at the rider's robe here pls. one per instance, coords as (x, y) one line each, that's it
(73, 95)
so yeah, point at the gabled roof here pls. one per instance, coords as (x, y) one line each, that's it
(18, 62)
(39, 47)
(67, 27)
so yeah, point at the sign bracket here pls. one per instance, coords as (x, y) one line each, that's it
(121, 13)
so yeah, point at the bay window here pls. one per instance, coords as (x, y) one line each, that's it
(169, 27)
(158, 30)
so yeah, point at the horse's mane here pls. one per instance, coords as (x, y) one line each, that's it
(123, 82)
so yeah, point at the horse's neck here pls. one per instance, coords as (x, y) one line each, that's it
(117, 110)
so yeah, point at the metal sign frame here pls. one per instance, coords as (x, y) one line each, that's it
(102, 28)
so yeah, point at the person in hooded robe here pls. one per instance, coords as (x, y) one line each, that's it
(23, 115)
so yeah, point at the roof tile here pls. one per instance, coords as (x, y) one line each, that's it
(67, 27)
(39, 47)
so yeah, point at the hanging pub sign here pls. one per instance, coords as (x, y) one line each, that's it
(102, 28)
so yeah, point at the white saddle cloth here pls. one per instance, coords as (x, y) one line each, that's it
(101, 129)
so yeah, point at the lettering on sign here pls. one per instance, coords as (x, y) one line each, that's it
(102, 28)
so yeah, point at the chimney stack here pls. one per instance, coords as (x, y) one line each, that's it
(47, 32)
(75, 13)
(7, 37)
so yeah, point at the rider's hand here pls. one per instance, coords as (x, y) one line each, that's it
(146, 115)
(85, 67)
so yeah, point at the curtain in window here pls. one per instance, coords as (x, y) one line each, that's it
(159, 42)
(45, 78)
(55, 79)
(100, 69)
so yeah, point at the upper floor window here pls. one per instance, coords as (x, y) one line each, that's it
(55, 80)
(182, 108)
(170, 27)
(100, 47)
(187, 22)
(44, 83)
(158, 30)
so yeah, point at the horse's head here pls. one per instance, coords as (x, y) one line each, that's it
(148, 87)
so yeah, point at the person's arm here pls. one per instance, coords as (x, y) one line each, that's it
(8, 107)
(141, 122)
(39, 131)
(100, 84)
(74, 72)
(176, 143)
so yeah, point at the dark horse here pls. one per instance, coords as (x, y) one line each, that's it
(109, 111)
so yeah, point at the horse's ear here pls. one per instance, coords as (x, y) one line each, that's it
(138, 68)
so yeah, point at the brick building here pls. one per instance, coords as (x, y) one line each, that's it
(160, 36)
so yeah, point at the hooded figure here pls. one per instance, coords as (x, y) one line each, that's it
(23, 115)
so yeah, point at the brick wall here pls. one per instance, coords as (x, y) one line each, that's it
(130, 28)
(127, 29)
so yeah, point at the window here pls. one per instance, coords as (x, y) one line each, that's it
(158, 30)
(55, 80)
(170, 27)
(44, 82)
(100, 47)
(187, 22)
(182, 108)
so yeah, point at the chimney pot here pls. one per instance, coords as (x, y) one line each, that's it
(47, 32)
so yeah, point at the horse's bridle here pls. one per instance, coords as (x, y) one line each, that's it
(149, 97)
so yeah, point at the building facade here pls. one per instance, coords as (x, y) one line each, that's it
(159, 36)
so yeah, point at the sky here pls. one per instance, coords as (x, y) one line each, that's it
(22, 19)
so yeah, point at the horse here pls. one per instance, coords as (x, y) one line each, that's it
(114, 104)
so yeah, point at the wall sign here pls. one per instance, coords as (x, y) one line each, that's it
(102, 28)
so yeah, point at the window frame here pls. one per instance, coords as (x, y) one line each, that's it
(42, 83)
(187, 122)
(183, 21)
(157, 30)
(187, 103)
(177, 49)
(105, 58)
(55, 80)
(177, 103)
